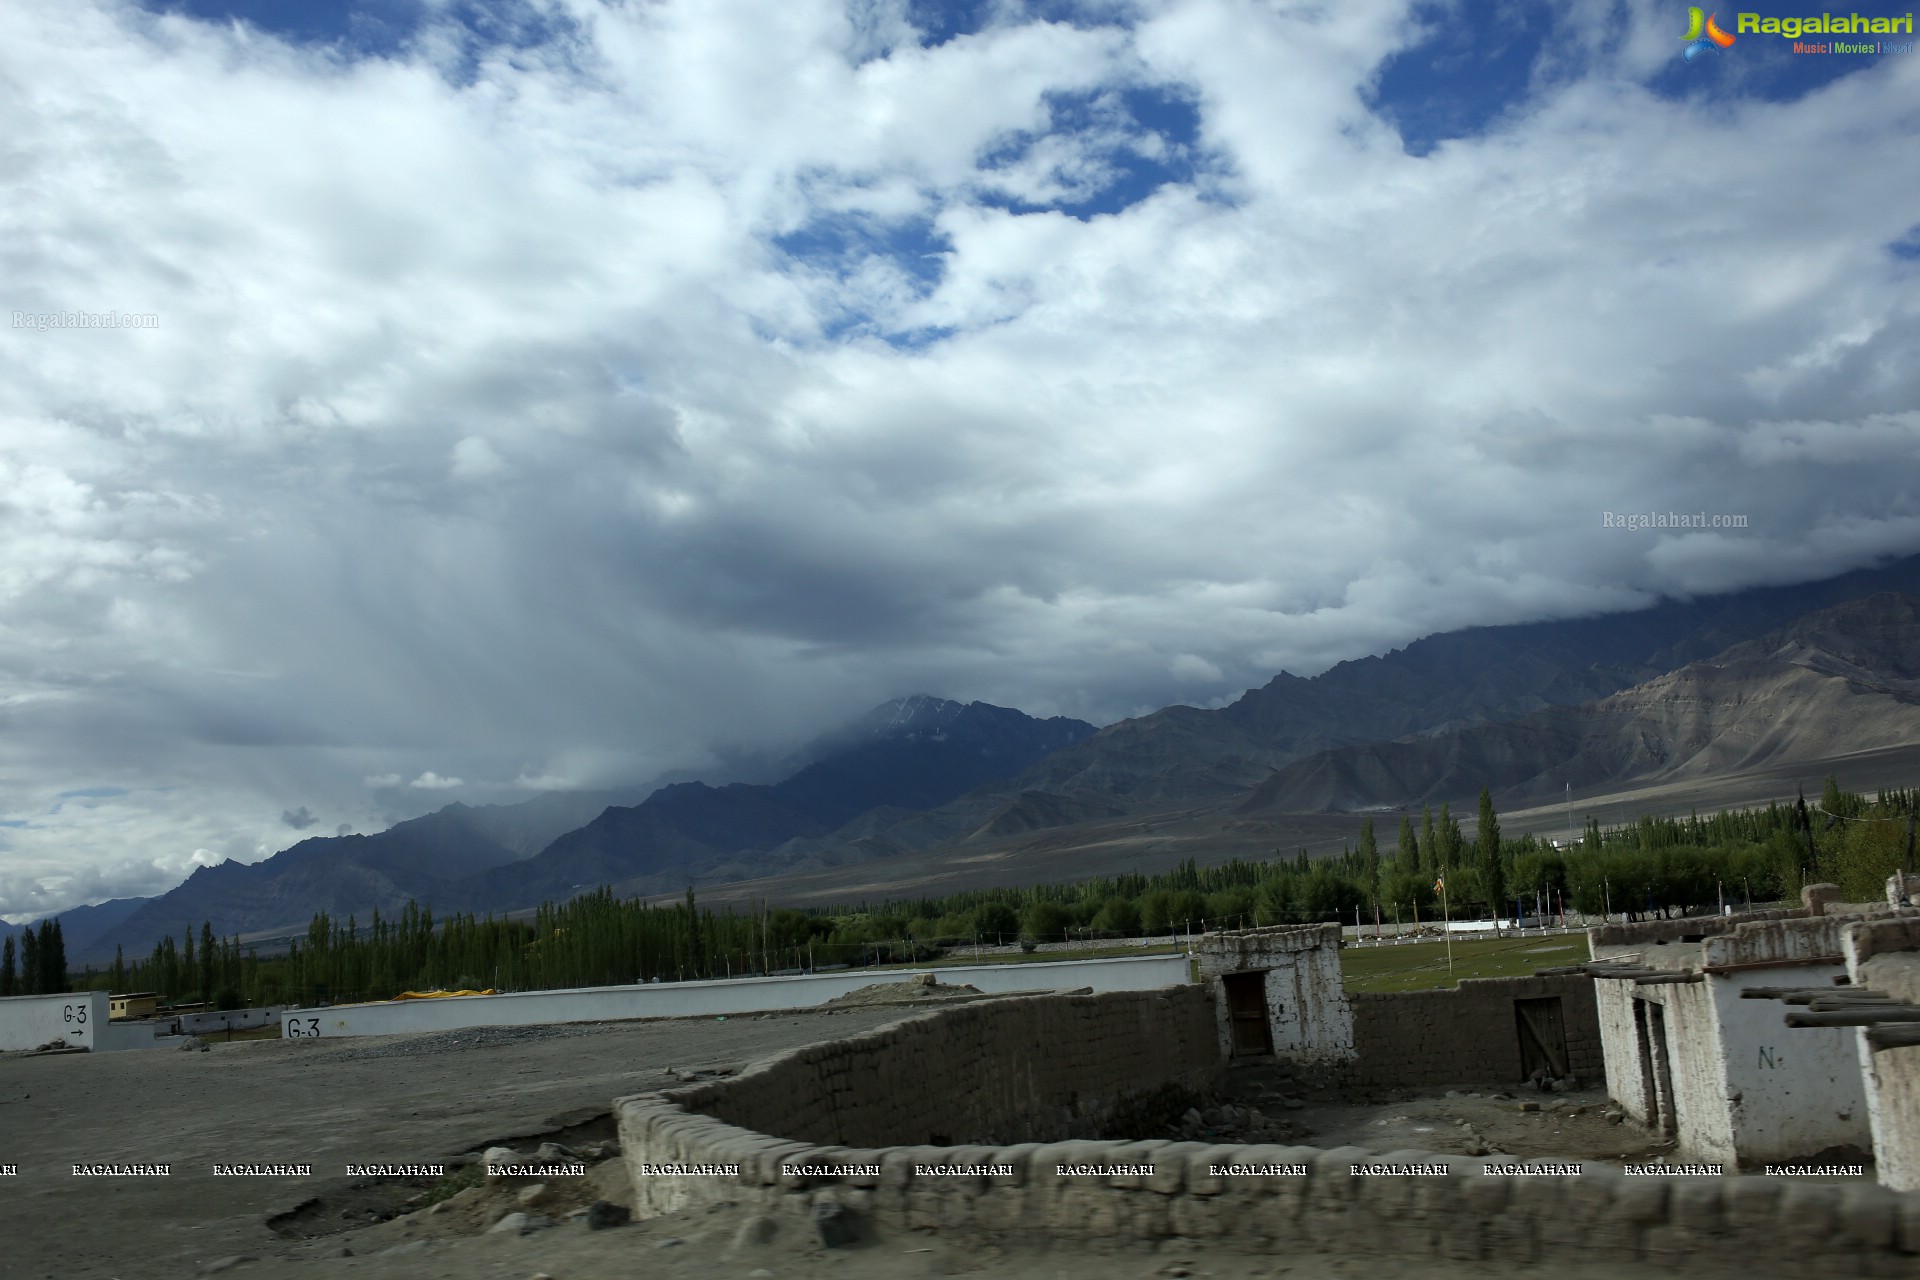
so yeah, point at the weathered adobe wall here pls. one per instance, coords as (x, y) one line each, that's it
(1649, 931)
(1042, 1068)
(1813, 938)
(1151, 1190)
(1466, 1035)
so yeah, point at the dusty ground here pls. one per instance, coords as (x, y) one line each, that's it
(441, 1095)
(391, 1099)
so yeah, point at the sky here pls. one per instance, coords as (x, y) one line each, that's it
(539, 394)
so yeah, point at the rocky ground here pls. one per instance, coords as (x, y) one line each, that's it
(922, 989)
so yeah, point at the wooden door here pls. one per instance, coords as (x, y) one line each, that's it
(1247, 1011)
(1543, 1037)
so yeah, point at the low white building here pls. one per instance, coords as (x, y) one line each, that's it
(1689, 1056)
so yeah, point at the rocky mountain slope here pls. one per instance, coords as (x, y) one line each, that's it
(1181, 756)
(1841, 680)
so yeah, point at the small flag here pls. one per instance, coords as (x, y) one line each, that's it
(1440, 885)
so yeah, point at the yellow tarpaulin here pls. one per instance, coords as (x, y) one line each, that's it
(437, 995)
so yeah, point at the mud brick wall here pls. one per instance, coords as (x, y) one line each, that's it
(1646, 932)
(1287, 1200)
(1468, 1035)
(1038, 1068)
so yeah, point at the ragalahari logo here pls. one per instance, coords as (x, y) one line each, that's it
(1703, 33)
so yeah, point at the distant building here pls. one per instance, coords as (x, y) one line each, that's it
(134, 1004)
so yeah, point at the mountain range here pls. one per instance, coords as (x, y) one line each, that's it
(912, 752)
(1677, 689)
(1839, 681)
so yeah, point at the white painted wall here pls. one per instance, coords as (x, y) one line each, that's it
(1793, 1091)
(1620, 1046)
(200, 1024)
(1307, 1007)
(27, 1022)
(1702, 1097)
(136, 1034)
(1885, 956)
(722, 996)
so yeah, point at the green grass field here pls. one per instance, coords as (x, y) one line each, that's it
(1422, 966)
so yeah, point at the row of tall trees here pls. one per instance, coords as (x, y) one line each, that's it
(1655, 866)
(38, 965)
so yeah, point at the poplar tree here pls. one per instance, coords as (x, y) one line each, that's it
(53, 957)
(9, 975)
(208, 957)
(29, 962)
(1429, 847)
(1408, 860)
(1493, 871)
(1448, 854)
(1369, 860)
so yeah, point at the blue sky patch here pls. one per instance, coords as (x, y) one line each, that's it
(841, 243)
(1132, 141)
(1476, 63)
(385, 28)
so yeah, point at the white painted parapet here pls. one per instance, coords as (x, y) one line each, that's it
(723, 996)
(27, 1022)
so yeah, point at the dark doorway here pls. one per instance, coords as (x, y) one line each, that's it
(1247, 1012)
(1662, 1056)
(1649, 1087)
(1543, 1038)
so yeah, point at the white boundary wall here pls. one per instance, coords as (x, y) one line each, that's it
(204, 1024)
(27, 1022)
(721, 996)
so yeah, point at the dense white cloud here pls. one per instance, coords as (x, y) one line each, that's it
(535, 422)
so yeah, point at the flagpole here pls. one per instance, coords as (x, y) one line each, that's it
(1446, 918)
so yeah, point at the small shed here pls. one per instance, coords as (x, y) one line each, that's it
(1277, 992)
(133, 1004)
